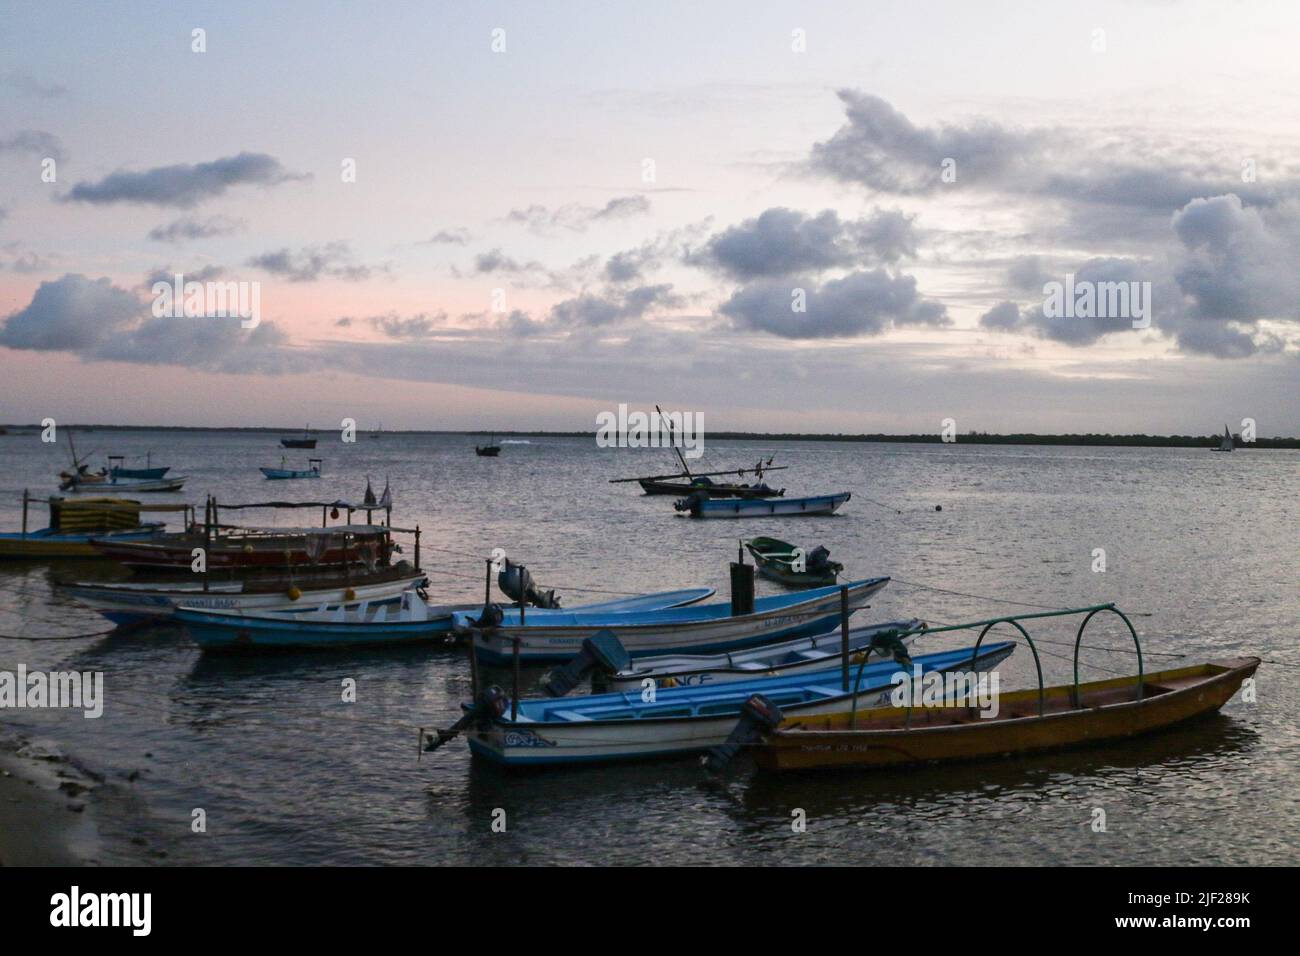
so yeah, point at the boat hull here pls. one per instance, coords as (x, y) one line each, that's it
(544, 643)
(768, 507)
(127, 604)
(127, 486)
(38, 545)
(1173, 697)
(653, 487)
(298, 442)
(177, 555)
(535, 744)
(283, 474)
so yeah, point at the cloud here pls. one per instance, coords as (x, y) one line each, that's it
(450, 237)
(167, 275)
(494, 260)
(1003, 317)
(191, 227)
(861, 303)
(97, 321)
(576, 217)
(36, 142)
(590, 310)
(333, 259)
(784, 241)
(26, 84)
(420, 326)
(183, 185)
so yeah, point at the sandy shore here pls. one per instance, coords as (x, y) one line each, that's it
(45, 817)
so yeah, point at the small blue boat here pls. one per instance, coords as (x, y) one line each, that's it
(678, 721)
(702, 506)
(116, 470)
(364, 624)
(312, 471)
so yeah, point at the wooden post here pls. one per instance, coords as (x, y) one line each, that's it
(844, 636)
(522, 602)
(487, 588)
(473, 671)
(24, 513)
(208, 507)
(417, 547)
(514, 696)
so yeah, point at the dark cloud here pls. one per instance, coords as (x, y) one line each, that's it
(191, 227)
(590, 310)
(1003, 317)
(183, 185)
(784, 241)
(97, 321)
(861, 303)
(494, 260)
(36, 142)
(333, 260)
(420, 326)
(576, 217)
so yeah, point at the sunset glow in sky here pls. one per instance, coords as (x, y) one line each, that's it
(561, 207)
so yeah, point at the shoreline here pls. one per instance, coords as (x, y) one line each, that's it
(46, 812)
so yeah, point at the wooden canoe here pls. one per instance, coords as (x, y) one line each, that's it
(1109, 711)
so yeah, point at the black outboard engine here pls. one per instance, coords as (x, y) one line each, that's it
(603, 652)
(489, 705)
(692, 502)
(758, 715)
(817, 558)
(491, 617)
(515, 581)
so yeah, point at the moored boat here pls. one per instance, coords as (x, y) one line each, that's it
(678, 721)
(875, 642)
(255, 548)
(700, 506)
(75, 524)
(129, 603)
(792, 566)
(1094, 713)
(700, 629)
(490, 450)
(306, 441)
(714, 489)
(117, 470)
(361, 624)
(311, 471)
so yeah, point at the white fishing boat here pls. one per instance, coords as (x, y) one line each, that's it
(545, 636)
(771, 660)
(1225, 443)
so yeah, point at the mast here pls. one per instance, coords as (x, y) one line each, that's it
(686, 469)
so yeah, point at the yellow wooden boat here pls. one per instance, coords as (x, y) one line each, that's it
(1027, 721)
(73, 525)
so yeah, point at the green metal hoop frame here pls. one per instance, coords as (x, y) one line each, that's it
(1078, 639)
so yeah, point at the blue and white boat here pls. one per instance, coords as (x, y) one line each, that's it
(701, 506)
(311, 471)
(678, 721)
(702, 629)
(367, 623)
(771, 660)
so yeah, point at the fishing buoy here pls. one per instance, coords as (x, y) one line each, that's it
(334, 512)
(248, 549)
(938, 507)
(349, 595)
(294, 593)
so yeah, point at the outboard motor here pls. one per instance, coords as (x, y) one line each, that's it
(515, 581)
(758, 715)
(603, 652)
(817, 558)
(692, 502)
(491, 617)
(489, 705)
(889, 644)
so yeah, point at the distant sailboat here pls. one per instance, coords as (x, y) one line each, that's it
(490, 450)
(378, 432)
(1225, 443)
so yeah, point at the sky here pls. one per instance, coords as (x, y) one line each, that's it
(814, 217)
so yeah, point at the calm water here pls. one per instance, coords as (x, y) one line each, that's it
(1204, 544)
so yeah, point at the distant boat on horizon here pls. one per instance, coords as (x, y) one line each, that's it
(1225, 443)
(306, 441)
(490, 450)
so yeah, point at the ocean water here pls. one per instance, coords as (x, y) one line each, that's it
(1202, 548)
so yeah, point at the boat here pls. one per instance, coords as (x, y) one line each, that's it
(490, 450)
(1093, 713)
(73, 525)
(247, 548)
(783, 562)
(126, 486)
(130, 603)
(306, 441)
(360, 624)
(312, 471)
(700, 506)
(148, 472)
(1225, 443)
(677, 721)
(878, 641)
(714, 489)
(549, 636)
